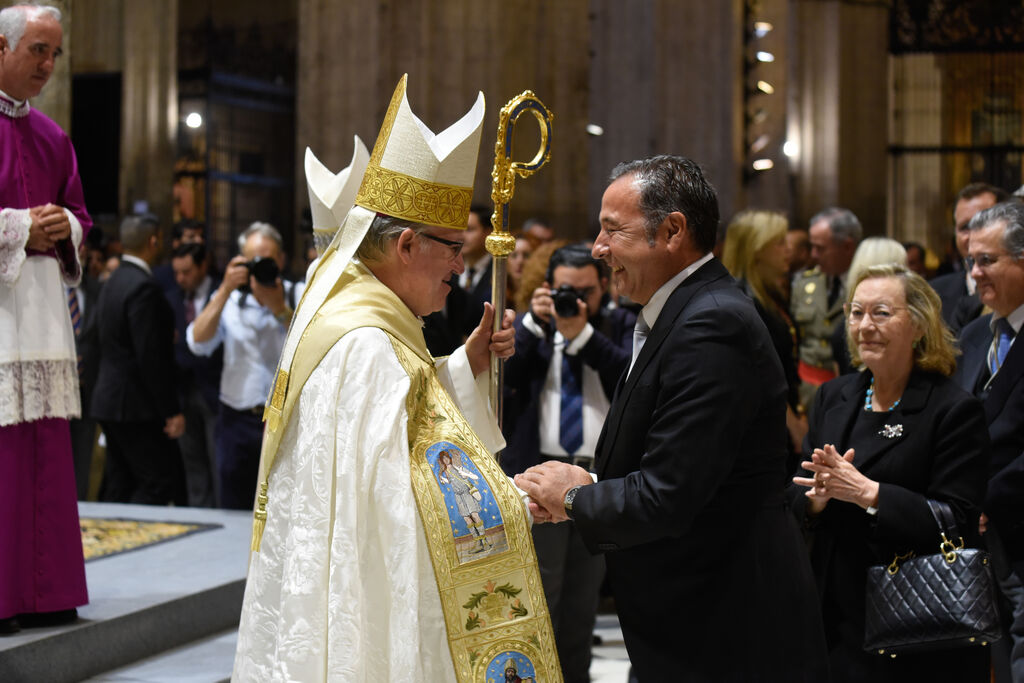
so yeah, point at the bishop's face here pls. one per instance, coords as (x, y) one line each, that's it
(437, 254)
(26, 69)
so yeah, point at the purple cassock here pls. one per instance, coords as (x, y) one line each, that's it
(41, 565)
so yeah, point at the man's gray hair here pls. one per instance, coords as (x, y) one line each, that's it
(1011, 215)
(13, 20)
(136, 231)
(382, 230)
(260, 228)
(842, 222)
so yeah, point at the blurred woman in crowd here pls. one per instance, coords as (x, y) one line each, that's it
(756, 254)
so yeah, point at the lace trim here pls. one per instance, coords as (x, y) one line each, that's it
(33, 390)
(15, 111)
(14, 225)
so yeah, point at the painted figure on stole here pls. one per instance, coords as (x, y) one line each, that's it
(461, 482)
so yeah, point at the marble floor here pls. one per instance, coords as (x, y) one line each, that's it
(209, 660)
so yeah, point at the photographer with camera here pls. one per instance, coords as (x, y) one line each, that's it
(249, 314)
(571, 348)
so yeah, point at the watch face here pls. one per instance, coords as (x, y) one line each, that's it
(570, 496)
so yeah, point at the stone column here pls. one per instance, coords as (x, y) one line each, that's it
(842, 86)
(149, 113)
(666, 80)
(352, 54)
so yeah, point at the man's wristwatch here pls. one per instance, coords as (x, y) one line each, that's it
(570, 496)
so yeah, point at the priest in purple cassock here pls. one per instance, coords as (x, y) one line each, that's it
(42, 222)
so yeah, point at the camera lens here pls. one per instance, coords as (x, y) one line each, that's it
(565, 301)
(265, 270)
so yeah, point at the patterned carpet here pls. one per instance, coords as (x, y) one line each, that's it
(106, 537)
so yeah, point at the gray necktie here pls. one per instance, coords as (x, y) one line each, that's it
(640, 332)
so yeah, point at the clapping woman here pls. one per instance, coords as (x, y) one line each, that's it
(881, 442)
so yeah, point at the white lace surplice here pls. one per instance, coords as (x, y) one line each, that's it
(38, 367)
(343, 588)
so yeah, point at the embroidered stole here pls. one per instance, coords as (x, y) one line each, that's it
(479, 540)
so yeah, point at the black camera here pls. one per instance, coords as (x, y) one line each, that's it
(565, 301)
(265, 271)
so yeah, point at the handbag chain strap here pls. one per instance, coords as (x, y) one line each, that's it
(946, 522)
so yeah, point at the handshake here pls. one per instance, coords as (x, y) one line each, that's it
(547, 484)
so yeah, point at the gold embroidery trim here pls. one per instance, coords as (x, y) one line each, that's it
(403, 196)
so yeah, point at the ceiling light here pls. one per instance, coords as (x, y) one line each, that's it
(763, 164)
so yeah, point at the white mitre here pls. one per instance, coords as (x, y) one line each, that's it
(331, 195)
(412, 174)
(422, 177)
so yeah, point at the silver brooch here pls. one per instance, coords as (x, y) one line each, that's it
(891, 431)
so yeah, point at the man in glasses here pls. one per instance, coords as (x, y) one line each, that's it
(992, 368)
(571, 349)
(956, 289)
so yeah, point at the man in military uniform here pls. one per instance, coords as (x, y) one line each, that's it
(818, 295)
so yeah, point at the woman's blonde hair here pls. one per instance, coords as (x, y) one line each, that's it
(874, 251)
(936, 350)
(748, 233)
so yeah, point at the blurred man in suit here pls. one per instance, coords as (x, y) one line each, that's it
(960, 303)
(992, 367)
(136, 396)
(691, 464)
(198, 376)
(84, 317)
(187, 231)
(571, 349)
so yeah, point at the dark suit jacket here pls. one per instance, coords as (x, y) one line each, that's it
(1004, 415)
(87, 345)
(445, 331)
(137, 373)
(710, 576)
(200, 371)
(958, 307)
(941, 454)
(608, 352)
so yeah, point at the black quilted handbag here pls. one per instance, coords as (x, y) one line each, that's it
(936, 601)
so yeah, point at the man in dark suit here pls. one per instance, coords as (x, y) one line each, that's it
(84, 319)
(136, 398)
(198, 376)
(960, 304)
(185, 231)
(710, 576)
(992, 367)
(559, 386)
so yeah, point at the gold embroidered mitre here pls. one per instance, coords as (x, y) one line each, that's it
(417, 175)
(331, 195)
(411, 174)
